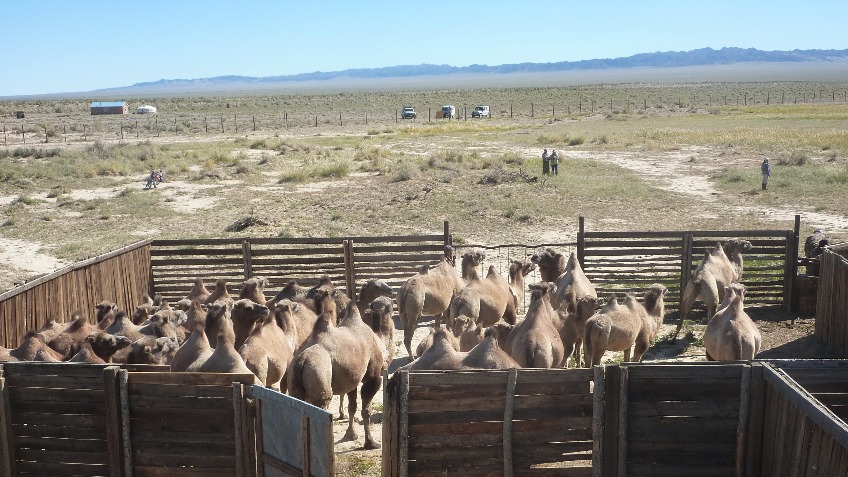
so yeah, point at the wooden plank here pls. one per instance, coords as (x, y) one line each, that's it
(113, 421)
(7, 443)
(598, 412)
(202, 393)
(403, 426)
(64, 468)
(623, 400)
(507, 423)
(157, 471)
(191, 379)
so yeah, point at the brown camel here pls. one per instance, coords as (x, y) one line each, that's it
(99, 348)
(195, 315)
(488, 354)
(225, 359)
(719, 268)
(428, 340)
(152, 350)
(254, 290)
(50, 329)
(570, 320)
(472, 334)
(535, 342)
(68, 342)
(219, 294)
(518, 271)
(380, 320)
(105, 314)
(441, 355)
(29, 349)
(486, 301)
(629, 327)
(307, 295)
(246, 315)
(731, 334)
(370, 291)
(430, 291)
(335, 360)
(199, 291)
(269, 349)
(551, 264)
(218, 321)
(193, 353)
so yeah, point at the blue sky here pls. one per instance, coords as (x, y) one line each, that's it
(70, 46)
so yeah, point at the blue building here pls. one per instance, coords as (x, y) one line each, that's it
(109, 107)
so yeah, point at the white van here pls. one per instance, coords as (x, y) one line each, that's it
(480, 112)
(448, 111)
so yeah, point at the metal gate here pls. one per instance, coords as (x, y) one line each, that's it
(293, 438)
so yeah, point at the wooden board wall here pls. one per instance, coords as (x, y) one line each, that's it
(832, 299)
(120, 276)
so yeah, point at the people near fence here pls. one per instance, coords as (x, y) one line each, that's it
(554, 163)
(765, 167)
(813, 246)
(813, 268)
(546, 162)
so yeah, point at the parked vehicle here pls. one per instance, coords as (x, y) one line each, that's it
(448, 111)
(480, 112)
(408, 112)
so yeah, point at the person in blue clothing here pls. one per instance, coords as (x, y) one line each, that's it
(766, 169)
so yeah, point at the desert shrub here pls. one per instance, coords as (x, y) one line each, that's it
(295, 176)
(404, 171)
(339, 168)
(546, 139)
(576, 141)
(838, 177)
(798, 158)
(513, 159)
(219, 157)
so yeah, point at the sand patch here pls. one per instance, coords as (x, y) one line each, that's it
(19, 255)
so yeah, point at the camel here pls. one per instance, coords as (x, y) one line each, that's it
(812, 241)
(218, 321)
(68, 342)
(488, 354)
(441, 355)
(307, 295)
(731, 334)
(50, 329)
(99, 348)
(158, 326)
(566, 275)
(219, 294)
(428, 341)
(430, 292)
(269, 349)
(225, 359)
(245, 315)
(254, 290)
(629, 327)
(335, 360)
(151, 350)
(370, 291)
(719, 268)
(195, 315)
(518, 270)
(551, 264)
(199, 291)
(28, 350)
(486, 301)
(535, 342)
(193, 353)
(105, 314)
(471, 334)
(380, 320)
(123, 326)
(571, 317)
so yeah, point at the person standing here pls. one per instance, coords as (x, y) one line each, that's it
(546, 162)
(766, 169)
(554, 163)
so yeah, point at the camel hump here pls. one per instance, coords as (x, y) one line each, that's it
(424, 270)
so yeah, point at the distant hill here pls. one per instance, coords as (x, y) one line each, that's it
(700, 57)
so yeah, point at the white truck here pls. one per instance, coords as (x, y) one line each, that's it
(480, 112)
(448, 111)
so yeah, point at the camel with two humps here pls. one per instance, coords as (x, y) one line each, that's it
(486, 301)
(627, 327)
(335, 360)
(570, 320)
(518, 271)
(470, 334)
(428, 341)
(68, 342)
(269, 349)
(32, 348)
(731, 334)
(193, 353)
(99, 348)
(535, 341)
(718, 269)
(430, 292)
(443, 356)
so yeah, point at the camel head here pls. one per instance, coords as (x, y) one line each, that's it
(254, 288)
(380, 313)
(376, 288)
(325, 299)
(105, 345)
(524, 267)
(284, 315)
(473, 258)
(183, 305)
(461, 323)
(542, 289)
(551, 264)
(145, 300)
(654, 296)
(249, 311)
(734, 247)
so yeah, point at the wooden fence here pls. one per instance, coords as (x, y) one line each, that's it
(701, 419)
(832, 299)
(349, 260)
(67, 419)
(621, 262)
(120, 276)
(488, 423)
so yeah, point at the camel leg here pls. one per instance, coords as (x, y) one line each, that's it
(710, 294)
(709, 358)
(578, 352)
(628, 353)
(569, 349)
(350, 435)
(408, 331)
(369, 390)
(341, 407)
(639, 349)
(689, 296)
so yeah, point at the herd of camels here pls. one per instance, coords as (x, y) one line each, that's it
(315, 342)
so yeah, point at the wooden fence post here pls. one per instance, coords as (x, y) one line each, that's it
(122, 132)
(84, 133)
(788, 279)
(350, 272)
(254, 123)
(113, 420)
(403, 426)
(581, 241)
(47, 138)
(686, 265)
(795, 251)
(222, 125)
(4, 134)
(609, 458)
(742, 425)
(286, 119)
(248, 259)
(238, 424)
(340, 118)
(622, 421)
(23, 133)
(598, 423)
(507, 422)
(124, 403)
(8, 461)
(136, 129)
(756, 418)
